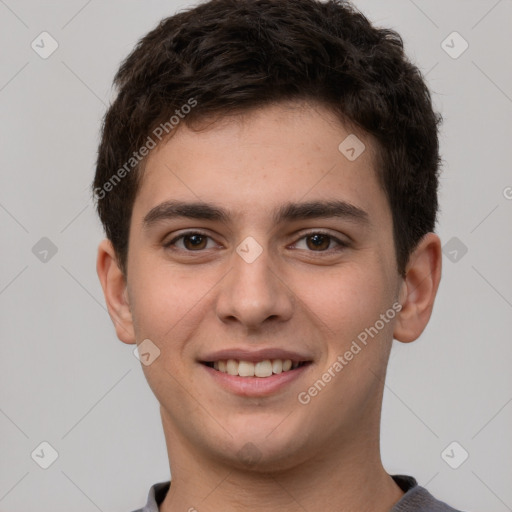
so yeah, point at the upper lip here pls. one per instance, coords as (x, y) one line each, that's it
(254, 355)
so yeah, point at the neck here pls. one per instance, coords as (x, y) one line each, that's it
(340, 478)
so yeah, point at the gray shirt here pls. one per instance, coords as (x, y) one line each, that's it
(415, 499)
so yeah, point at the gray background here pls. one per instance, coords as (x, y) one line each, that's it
(67, 380)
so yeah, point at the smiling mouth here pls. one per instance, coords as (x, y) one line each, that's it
(264, 368)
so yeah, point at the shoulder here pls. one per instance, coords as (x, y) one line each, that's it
(156, 496)
(417, 498)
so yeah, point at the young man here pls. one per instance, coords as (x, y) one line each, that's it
(267, 179)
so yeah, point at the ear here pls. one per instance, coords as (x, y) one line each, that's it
(419, 289)
(115, 291)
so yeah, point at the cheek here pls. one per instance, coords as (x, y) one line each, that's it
(347, 300)
(168, 308)
(163, 299)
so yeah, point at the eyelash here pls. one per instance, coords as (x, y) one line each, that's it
(341, 244)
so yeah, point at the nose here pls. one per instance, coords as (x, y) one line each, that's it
(253, 294)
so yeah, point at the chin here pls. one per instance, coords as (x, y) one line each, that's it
(265, 450)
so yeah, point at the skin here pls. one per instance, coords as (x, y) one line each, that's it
(321, 456)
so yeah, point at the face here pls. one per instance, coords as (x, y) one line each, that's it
(256, 244)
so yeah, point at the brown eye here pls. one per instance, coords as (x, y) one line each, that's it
(196, 241)
(192, 241)
(318, 242)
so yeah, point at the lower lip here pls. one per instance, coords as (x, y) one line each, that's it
(255, 386)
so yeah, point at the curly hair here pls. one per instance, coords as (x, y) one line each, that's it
(225, 57)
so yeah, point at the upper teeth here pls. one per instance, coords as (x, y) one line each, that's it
(259, 369)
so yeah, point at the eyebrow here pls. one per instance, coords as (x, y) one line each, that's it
(169, 210)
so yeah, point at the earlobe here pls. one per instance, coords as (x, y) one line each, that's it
(115, 291)
(419, 289)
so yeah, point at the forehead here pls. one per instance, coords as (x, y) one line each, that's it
(255, 162)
